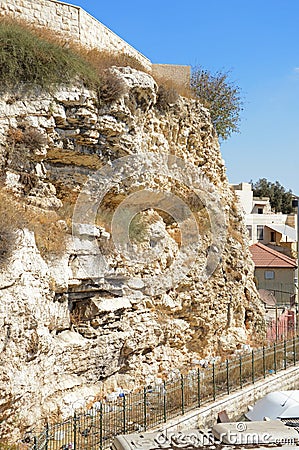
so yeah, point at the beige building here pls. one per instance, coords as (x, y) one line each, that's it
(275, 230)
(274, 272)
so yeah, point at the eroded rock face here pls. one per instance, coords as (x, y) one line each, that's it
(71, 328)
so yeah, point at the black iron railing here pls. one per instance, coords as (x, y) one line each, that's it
(94, 429)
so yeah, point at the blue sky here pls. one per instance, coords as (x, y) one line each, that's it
(257, 40)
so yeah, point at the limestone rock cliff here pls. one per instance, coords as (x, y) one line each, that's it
(71, 329)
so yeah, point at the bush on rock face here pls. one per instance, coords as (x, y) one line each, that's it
(112, 87)
(28, 137)
(221, 96)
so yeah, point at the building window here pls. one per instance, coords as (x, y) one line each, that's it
(272, 239)
(249, 229)
(269, 274)
(260, 210)
(260, 232)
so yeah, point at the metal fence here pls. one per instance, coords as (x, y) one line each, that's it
(94, 429)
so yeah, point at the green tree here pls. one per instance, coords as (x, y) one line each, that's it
(280, 198)
(221, 96)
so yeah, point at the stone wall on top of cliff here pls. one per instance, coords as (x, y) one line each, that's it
(71, 330)
(73, 23)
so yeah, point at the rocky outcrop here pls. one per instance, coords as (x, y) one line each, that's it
(80, 314)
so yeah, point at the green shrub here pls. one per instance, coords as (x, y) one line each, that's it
(32, 58)
(29, 60)
(221, 96)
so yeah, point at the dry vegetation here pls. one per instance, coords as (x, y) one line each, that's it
(172, 85)
(50, 233)
(28, 137)
(103, 60)
(169, 92)
(32, 58)
(49, 230)
(112, 87)
(11, 219)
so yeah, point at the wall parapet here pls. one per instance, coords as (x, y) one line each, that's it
(177, 73)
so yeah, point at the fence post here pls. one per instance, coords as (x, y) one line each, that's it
(240, 367)
(124, 415)
(75, 430)
(285, 354)
(101, 425)
(164, 401)
(214, 381)
(198, 387)
(274, 350)
(264, 362)
(183, 393)
(47, 436)
(252, 367)
(227, 375)
(144, 409)
(276, 324)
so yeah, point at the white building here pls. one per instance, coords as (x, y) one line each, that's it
(273, 229)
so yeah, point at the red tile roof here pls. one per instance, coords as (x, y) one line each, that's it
(264, 256)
